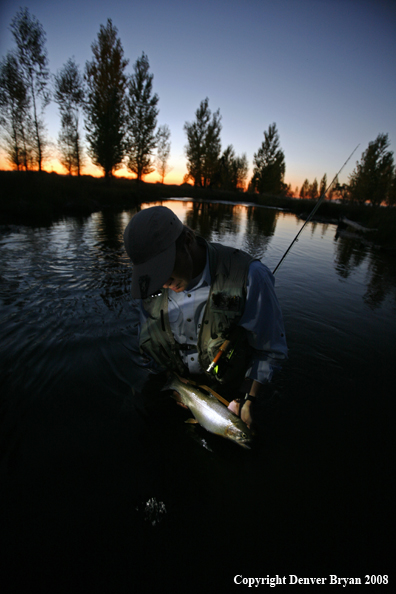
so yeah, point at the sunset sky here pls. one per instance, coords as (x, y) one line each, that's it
(323, 70)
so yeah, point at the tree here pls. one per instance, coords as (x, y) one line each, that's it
(14, 110)
(105, 108)
(391, 201)
(203, 145)
(313, 190)
(32, 57)
(340, 191)
(372, 178)
(241, 171)
(304, 189)
(69, 95)
(323, 185)
(269, 164)
(232, 170)
(288, 191)
(142, 119)
(163, 151)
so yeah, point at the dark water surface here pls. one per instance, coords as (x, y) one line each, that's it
(105, 488)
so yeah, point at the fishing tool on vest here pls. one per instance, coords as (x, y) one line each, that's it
(223, 349)
(319, 202)
(224, 356)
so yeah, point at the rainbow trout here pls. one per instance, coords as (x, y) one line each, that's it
(210, 413)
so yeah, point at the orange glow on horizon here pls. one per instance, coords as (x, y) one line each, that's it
(174, 177)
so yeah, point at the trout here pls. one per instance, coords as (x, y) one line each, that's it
(210, 413)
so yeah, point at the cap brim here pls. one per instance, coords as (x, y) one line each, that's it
(149, 277)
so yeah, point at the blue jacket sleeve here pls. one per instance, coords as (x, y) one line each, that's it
(263, 320)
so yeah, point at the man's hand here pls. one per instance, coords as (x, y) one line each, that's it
(176, 395)
(241, 408)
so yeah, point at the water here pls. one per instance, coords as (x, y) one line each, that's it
(104, 486)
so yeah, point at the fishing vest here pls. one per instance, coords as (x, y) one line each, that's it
(224, 307)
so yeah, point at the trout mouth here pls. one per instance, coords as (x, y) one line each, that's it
(242, 438)
(244, 444)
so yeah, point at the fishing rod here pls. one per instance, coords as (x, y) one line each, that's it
(319, 202)
(225, 346)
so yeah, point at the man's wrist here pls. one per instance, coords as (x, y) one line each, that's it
(253, 389)
(249, 397)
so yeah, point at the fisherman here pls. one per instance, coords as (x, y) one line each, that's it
(194, 297)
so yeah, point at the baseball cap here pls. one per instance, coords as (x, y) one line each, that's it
(149, 240)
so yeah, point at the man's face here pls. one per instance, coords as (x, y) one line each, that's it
(182, 271)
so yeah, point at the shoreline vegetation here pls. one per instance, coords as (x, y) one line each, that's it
(39, 198)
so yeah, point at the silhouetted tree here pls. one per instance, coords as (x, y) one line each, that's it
(69, 95)
(163, 151)
(372, 178)
(288, 191)
(203, 145)
(142, 119)
(323, 185)
(269, 164)
(105, 108)
(32, 57)
(391, 200)
(14, 112)
(340, 191)
(232, 170)
(332, 193)
(240, 167)
(313, 190)
(304, 189)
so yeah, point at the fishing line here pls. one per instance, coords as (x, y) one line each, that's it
(319, 202)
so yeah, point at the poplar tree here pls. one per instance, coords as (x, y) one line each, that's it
(69, 95)
(269, 164)
(14, 112)
(313, 190)
(203, 145)
(232, 170)
(372, 178)
(32, 58)
(105, 108)
(142, 119)
(304, 189)
(163, 151)
(323, 185)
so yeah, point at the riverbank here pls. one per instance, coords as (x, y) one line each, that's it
(39, 198)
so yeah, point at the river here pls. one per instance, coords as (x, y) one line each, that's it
(103, 485)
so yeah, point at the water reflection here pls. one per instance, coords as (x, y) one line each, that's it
(349, 255)
(214, 222)
(80, 260)
(381, 283)
(260, 228)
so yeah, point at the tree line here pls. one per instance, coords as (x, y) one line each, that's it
(120, 116)
(119, 109)
(120, 112)
(373, 181)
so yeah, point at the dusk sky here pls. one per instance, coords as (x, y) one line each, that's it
(323, 70)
